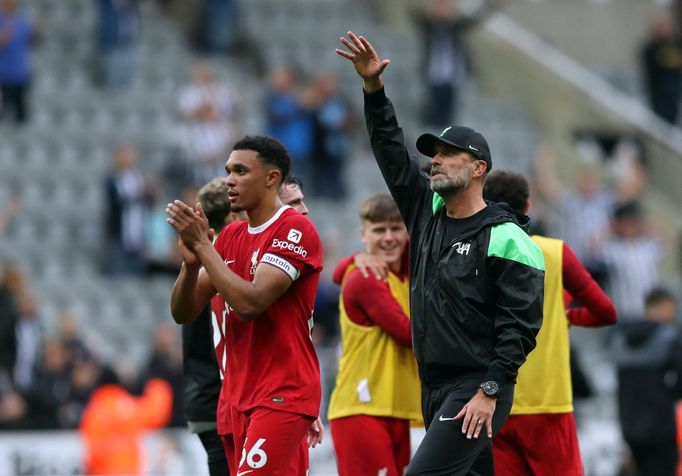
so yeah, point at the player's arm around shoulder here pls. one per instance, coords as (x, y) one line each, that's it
(369, 302)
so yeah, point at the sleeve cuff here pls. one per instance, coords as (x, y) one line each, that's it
(500, 376)
(376, 99)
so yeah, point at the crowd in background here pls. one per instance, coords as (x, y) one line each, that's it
(46, 380)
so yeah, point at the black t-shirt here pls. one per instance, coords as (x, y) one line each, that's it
(458, 227)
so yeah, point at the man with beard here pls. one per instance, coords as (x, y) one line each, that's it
(476, 280)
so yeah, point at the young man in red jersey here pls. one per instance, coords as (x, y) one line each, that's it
(266, 271)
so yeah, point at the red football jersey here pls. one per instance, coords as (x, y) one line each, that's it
(270, 361)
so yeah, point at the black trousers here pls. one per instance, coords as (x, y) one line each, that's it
(655, 458)
(14, 97)
(217, 460)
(445, 450)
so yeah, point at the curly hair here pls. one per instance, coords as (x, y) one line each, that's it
(270, 152)
(507, 186)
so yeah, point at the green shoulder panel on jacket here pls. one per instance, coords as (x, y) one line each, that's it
(509, 241)
(437, 203)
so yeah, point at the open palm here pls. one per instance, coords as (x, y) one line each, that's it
(364, 58)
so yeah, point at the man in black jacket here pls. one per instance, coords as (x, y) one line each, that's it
(200, 369)
(477, 280)
(648, 354)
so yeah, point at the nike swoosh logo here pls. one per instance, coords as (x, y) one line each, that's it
(230, 262)
(440, 418)
(244, 472)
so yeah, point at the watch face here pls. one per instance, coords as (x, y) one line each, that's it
(490, 388)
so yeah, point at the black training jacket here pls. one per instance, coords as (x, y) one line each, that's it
(476, 306)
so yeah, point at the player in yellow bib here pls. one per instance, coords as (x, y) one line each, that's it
(539, 438)
(377, 386)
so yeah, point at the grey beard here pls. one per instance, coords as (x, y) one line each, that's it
(451, 186)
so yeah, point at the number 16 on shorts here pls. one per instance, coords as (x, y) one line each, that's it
(256, 456)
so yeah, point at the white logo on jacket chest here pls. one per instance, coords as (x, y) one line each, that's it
(462, 248)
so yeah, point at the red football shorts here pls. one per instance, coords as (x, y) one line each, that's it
(371, 445)
(538, 445)
(268, 442)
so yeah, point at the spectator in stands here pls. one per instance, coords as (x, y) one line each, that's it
(114, 422)
(29, 337)
(126, 208)
(50, 392)
(9, 210)
(648, 354)
(631, 257)
(116, 37)
(205, 90)
(84, 375)
(209, 142)
(165, 362)
(12, 284)
(12, 405)
(445, 57)
(584, 210)
(161, 255)
(20, 330)
(289, 120)
(16, 32)
(333, 122)
(70, 336)
(219, 24)
(209, 109)
(661, 58)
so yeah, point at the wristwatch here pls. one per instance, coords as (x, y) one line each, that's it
(490, 388)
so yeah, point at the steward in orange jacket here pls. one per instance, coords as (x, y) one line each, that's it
(114, 422)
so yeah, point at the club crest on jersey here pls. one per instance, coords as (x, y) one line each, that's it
(462, 248)
(254, 261)
(294, 235)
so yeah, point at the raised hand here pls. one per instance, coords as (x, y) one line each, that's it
(365, 60)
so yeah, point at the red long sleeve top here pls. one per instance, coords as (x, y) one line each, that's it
(596, 308)
(369, 302)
